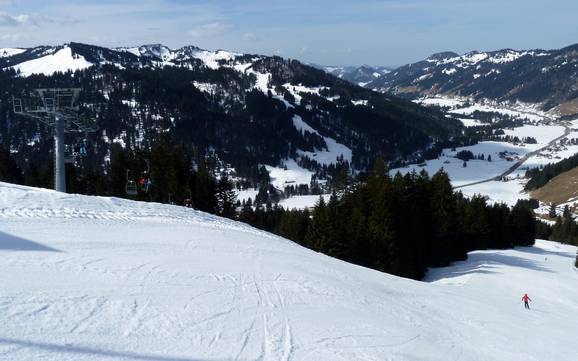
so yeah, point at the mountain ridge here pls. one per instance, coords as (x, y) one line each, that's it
(544, 77)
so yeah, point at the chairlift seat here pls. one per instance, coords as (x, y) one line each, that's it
(131, 188)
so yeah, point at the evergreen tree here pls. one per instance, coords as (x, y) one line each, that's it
(445, 236)
(204, 191)
(552, 212)
(9, 170)
(320, 232)
(226, 197)
(476, 227)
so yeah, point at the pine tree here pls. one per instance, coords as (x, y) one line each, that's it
(204, 191)
(119, 166)
(320, 232)
(226, 197)
(445, 238)
(247, 214)
(9, 170)
(476, 226)
(552, 212)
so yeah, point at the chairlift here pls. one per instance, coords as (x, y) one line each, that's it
(68, 155)
(146, 180)
(131, 188)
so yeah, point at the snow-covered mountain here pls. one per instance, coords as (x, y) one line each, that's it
(544, 77)
(93, 278)
(360, 75)
(251, 110)
(75, 56)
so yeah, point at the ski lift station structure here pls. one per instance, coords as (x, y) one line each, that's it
(57, 108)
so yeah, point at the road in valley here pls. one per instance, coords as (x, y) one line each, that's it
(519, 162)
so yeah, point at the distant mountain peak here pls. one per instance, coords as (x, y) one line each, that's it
(443, 55)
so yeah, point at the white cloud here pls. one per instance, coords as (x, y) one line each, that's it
(23, 19)
(9, 20)
(209, 30)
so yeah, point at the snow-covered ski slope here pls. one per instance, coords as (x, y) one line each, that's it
(87, 278)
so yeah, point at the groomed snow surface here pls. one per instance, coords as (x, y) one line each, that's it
(88, 278)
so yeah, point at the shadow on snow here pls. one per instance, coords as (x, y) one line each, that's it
(485, 263)
(83, 350)
(10, 242)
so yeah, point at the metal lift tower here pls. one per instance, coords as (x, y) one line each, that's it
(57, 108)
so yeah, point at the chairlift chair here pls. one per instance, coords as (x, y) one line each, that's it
(68, 155)
(131, 188)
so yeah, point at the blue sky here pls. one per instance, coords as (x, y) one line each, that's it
(336, 32)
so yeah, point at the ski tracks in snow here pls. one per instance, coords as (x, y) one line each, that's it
(277, 339)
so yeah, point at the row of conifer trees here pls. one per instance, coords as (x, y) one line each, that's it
(402, 224)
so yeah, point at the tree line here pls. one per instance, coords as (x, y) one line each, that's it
(401, 224)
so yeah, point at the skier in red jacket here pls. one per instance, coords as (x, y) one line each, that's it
(525, 298)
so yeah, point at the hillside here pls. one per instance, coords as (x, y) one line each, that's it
(250, 110)
(546, 78)
(560, 189)
(93, 278)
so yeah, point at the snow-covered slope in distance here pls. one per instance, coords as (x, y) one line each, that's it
(5, 52)
(91, 278)
(61, 61)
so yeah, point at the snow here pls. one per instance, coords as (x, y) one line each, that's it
(494, 109)
(544, 129)
(61, 61)
(94, 278)
(475, 58)
(499, 192)
(360, 102)
(334, 149)
(507, 57)
(302, 202)
(212, 58)
(542, 133)
(293, 175)
(476, 170)
(441, 102)
(8, 52)
(470, 122)
(246, 194)
(467, 106)
(209, 88)
(296, 91)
